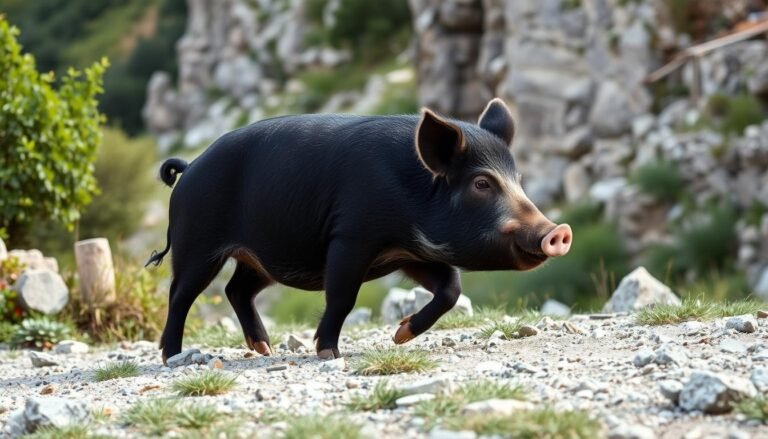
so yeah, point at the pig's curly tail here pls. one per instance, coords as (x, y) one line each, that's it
(170, 169)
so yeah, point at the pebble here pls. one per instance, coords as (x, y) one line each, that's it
(294, 343)
(71, 347)
(411, 400)
(335, 365)
(668, 354)
(643, 358)
(671, 390)
(744, 323)
(503, 407)
(528, 331)
(762, 314)
(429, 385)
(182, 359)
(277, 367)
(40, 359)
(714, 393)
(449, 342)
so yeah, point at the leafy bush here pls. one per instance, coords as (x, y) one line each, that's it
(49, 138)
(7, 329)
(39, 334)
(661, 180)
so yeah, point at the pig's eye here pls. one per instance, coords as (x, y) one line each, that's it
(482, 184)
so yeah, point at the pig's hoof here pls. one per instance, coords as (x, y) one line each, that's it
(404, 333)
(261, 347)
(328, 354)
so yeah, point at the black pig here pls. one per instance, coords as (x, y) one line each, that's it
(327, 202)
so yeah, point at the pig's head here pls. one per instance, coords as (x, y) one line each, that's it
(482, 219)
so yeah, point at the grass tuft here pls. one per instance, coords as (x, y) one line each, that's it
(695, 309)
(510, 327)
(380, 361)
(159, 416)
(69, 432)
(543, 423)
(113, 371)
(322, 427)
(754, 408)
(204, 384)
(449, 405)
(383, 396)
(457, 320)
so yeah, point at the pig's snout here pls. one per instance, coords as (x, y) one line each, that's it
(558, 241)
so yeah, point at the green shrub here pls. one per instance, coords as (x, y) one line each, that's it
(732, 114)
(661, 180)
(7, 329)
(49, 139)
(371, 29)
(39, 334)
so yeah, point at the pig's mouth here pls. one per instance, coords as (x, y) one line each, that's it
(527, 259)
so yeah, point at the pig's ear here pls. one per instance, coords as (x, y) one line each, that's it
(497, 119)
(438, 142)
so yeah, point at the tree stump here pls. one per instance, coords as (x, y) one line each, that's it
(96, 271)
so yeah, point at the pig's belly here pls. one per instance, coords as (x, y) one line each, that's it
(314, 280)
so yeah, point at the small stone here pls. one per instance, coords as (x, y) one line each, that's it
(429, 385)
(598, 333)
(632, 431)
(638, 290)
(48, 390)
(762, 314)
(503, 407)
(277, 367)
(182, 358)
(643, 358)
(71, 347)
(671, 390)
(759, 378)
(53, 412)
(668, 354)
(40, 359)
(733, 346)
(216, 363)
(692, 328)
(714, 393)
(572, 328)
(335, 365)
(744, 323)
(294, 343)
(528, 331)
(449, 342)
(411, 400)
(601, 316)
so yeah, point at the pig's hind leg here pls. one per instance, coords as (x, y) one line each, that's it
(245, 284)
(444, 282)
(190, 277)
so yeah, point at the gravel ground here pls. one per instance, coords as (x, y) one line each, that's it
(595, 363)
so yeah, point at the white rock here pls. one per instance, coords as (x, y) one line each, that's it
(42, 290)
(53, 412)
(335, 365)
(71, 347)
(358, 316)
(182, 359)
(733, 346)
(759, 378)
(692, 328)
(744, 323)
(429, 385)
(411, 400)
(714, 393)
(643, 358)
(671, 390)
(632, 431)
(504, 407)
(40, 359)
(638, 290)
(554, 308)
(668, 354)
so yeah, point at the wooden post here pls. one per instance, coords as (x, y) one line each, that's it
(96, 271)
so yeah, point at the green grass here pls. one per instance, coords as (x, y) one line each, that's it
(456, 320)
(695, 309)
(544, 423)
(510, 328)
(380, 361)
(754, 408)
(322, 427)
(661, 180)
(113, 371)
(445, 406)
(204, 384)
(216, 336)
(159, 416)
(70, 432)
(383, 396)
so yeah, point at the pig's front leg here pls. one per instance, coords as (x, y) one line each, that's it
(345, 269)
(444, 282)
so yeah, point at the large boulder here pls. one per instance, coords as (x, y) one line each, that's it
(400, 303)
(714, 393)
(42, 290)
(638, 290)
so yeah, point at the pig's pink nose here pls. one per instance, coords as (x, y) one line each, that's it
(558, 241)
